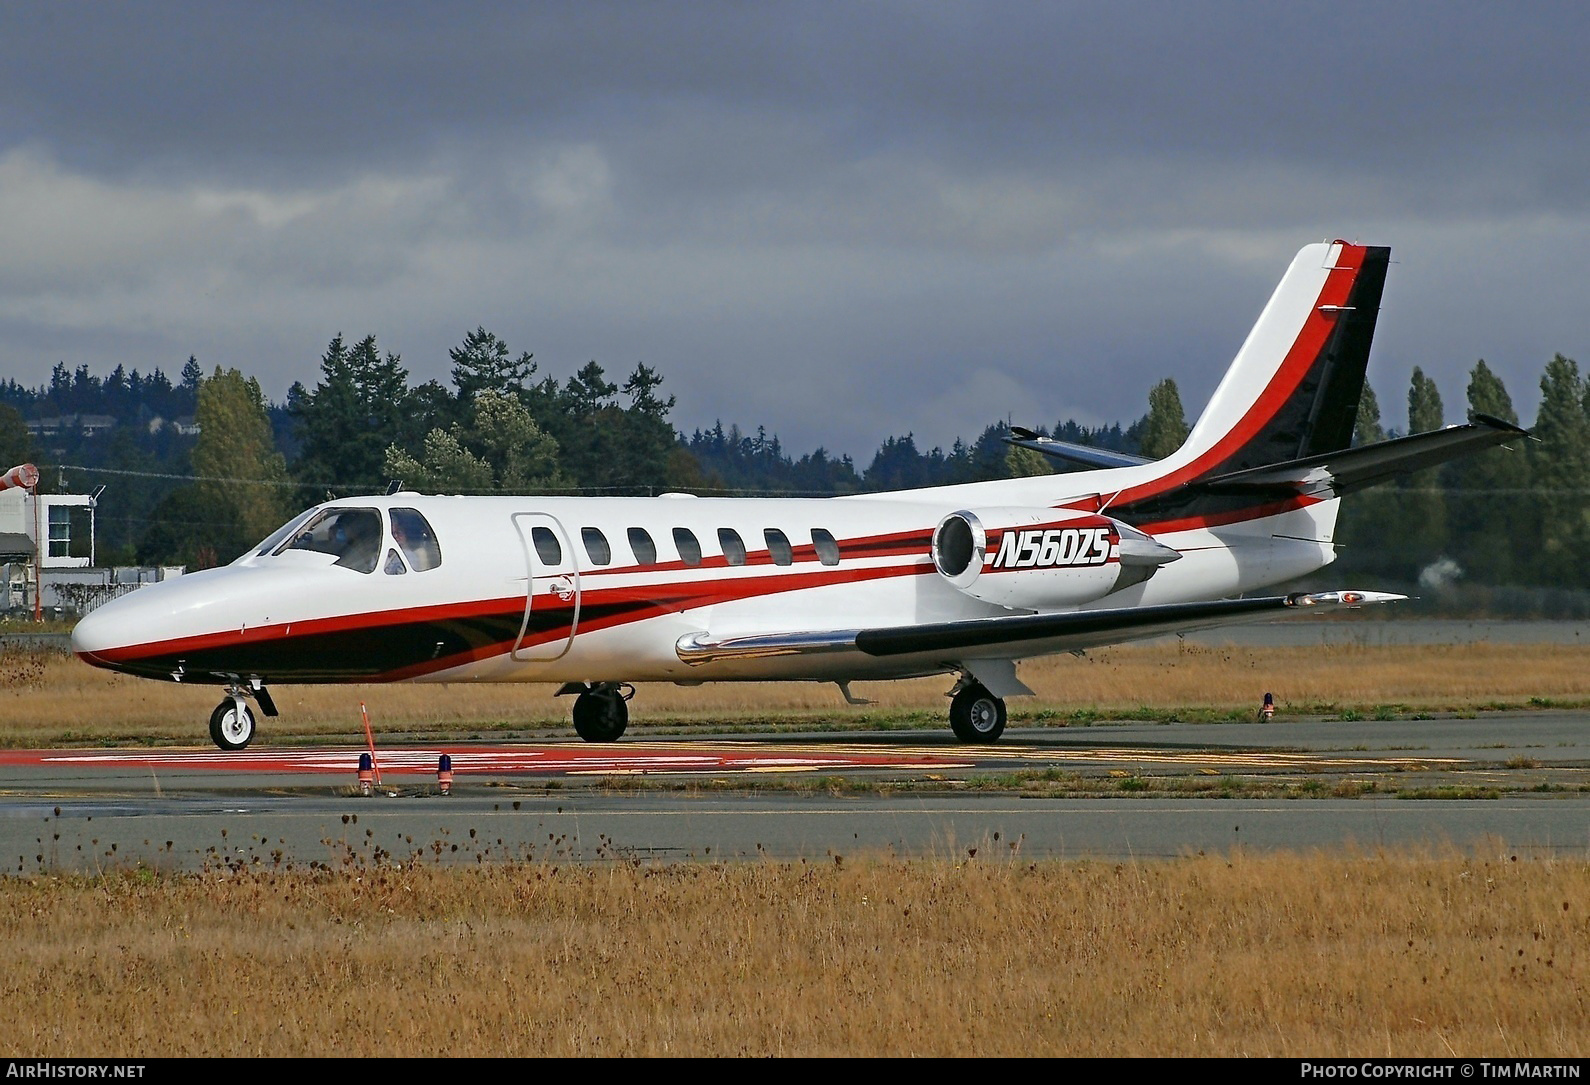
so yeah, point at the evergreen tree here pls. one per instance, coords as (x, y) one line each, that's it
(1165, 427)
(1560, 468)
(188, 386)
(241, 475)
(1422, 510)
(484, 363)
(1425, 412)
(1367, 430)
(346, 423)
(502, 450)
(1025, 462)
(897, 465)
(1490, 519)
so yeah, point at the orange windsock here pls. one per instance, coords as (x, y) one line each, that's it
(23, 475)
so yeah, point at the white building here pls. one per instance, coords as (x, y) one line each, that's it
(60, 576)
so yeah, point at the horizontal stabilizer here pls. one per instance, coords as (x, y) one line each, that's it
(1081, 455)
(1357, 468)
(1036, 634)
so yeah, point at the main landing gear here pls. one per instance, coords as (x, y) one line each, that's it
(601, 711)
(976, 715)
(232, 722)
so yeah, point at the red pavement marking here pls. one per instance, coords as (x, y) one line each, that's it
(492, 760)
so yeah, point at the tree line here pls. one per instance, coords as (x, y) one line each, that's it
(1511, 516)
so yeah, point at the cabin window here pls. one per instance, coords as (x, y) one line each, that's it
(640, 542)
(548, 549)
(689, 546)
(394, 565)
(778, 546)
(596, 546)
(733, 546)
(413, 534)
(827, 548)
(353, 536)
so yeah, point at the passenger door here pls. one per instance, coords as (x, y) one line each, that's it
(552, 589)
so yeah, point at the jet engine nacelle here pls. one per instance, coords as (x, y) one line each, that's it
(1035, 558)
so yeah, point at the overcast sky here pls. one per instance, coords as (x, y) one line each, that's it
(841, 220)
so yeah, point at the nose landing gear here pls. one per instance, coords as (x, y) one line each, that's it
(232, 722)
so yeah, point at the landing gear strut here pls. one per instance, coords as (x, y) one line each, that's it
(601, 713)
(976, 715)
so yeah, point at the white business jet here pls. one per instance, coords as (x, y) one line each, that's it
(596, 593)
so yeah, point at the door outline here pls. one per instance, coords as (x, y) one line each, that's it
(548, 583)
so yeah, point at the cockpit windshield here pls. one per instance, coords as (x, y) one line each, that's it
(276, 537)
(352, 535)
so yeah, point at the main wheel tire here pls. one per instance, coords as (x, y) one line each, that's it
(600, 715)
(232, 725)
(977, 716)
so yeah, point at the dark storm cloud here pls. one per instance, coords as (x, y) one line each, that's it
(942, 213)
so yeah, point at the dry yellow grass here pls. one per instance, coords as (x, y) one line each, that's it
(1253, 955)
(47, 697)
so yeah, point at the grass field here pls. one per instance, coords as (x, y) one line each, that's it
(47, 697)
(1376, 955)
(1386, 954)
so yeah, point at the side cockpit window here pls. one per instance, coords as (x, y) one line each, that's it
(353, 536)
(412, 532)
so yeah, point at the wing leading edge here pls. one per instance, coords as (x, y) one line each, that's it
(1023, 634)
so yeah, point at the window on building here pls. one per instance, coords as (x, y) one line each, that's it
(60, 531)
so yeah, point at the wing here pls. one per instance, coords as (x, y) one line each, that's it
(1022, 635)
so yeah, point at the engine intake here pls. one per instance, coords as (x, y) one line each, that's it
(1036, 558)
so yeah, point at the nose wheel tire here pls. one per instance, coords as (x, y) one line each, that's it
(977, 716)
(601, 715)
(232, 725)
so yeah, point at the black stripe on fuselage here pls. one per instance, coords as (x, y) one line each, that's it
(368, 653)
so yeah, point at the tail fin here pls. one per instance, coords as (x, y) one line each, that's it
(1293, 390)
(1291, 393)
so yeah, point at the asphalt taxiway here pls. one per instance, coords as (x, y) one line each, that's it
(707, 797)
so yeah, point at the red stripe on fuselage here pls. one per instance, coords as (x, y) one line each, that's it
(648, 601)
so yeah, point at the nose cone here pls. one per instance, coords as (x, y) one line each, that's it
(97, 631)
